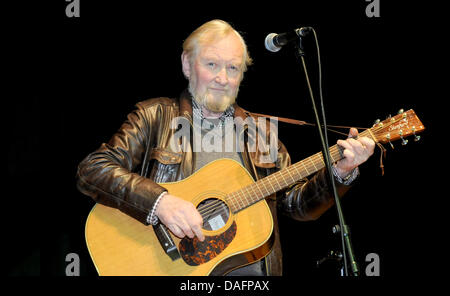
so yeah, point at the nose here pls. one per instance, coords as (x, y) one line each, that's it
(222, 77)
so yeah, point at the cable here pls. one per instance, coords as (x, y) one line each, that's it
(344, 230)
(324, 122)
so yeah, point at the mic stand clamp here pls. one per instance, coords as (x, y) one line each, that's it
(301, 32)
(332, 256)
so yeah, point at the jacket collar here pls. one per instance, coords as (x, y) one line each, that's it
(186, 104)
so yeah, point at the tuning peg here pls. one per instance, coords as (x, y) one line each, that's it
(416, 137)
(388, 137)
(400, 111)
(404, 141)
(376, 122)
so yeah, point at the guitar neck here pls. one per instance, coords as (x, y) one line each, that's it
(282, 179)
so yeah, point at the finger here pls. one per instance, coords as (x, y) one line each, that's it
(353, 146)
(353, 133)
(191, 222)
(369, 143)
(194, 215)
(196, 223)
(176, 230)
(357, 146)
(186, 228)
(349, 155)
(178, 218)
(197, 229)
(344, 144)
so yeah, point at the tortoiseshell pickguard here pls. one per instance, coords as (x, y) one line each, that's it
(195, 252)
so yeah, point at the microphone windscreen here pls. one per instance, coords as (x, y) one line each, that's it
(270, 46)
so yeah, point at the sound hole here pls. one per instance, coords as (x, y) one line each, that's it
(214, 212)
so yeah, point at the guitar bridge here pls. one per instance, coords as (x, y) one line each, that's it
(166, 241)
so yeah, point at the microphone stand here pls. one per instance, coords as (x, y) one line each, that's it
(344, 228)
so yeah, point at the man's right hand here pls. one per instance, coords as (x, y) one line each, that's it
(180, 216)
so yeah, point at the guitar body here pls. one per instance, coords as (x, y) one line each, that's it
(121, 245)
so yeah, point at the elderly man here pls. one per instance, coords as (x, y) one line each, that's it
(124, 173)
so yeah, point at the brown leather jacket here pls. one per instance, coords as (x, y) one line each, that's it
(124, 173)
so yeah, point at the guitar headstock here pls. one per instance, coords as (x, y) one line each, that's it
(402, 125)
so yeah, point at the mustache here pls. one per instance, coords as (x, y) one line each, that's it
(213, 103)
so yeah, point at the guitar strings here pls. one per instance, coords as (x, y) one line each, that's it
(236, 196)
(223, 209)
(212, 206)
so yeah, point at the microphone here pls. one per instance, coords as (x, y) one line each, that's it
(274, 42)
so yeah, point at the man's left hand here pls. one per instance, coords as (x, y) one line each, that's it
(356, 151)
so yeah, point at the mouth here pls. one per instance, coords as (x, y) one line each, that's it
(219, 89)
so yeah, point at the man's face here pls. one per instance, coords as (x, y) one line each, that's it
(216, 72)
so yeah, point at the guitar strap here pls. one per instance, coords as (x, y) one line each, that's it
(301, 122)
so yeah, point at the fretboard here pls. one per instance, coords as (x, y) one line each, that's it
(282, 179)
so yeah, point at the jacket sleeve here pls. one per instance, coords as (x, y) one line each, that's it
(308, 199)
(108, 174)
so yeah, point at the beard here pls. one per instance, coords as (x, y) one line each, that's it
(217, 103)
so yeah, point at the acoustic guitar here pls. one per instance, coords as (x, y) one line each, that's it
(237, 220)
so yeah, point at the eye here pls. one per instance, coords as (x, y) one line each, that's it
(211, 64)
(233, 70)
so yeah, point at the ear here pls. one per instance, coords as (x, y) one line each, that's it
(186, 65)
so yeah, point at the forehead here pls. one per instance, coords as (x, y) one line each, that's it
(229, 48)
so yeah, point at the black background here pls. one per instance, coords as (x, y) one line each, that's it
(77, 79)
